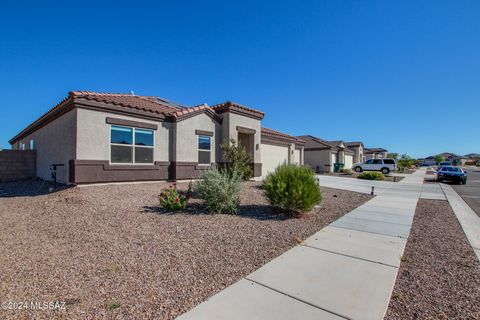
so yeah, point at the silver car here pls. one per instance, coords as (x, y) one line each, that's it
(383, 165)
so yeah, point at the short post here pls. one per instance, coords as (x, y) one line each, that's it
(373, 191)
(394, 179)
(318, 180)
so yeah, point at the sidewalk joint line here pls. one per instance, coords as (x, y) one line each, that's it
(371, 232)
(360, 218)
(349, 256)
(298, 299)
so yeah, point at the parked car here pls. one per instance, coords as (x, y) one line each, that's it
(453, 174)
(445, 164)
(383, 165)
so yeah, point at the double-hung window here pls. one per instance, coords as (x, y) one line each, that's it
(204, 150)
(131, 145)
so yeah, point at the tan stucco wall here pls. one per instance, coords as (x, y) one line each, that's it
(93, 135)
(230, 123)
(55, 144)
(358, 157)
(187, 140)
(273, 156)
(296, 157)
(319, 158)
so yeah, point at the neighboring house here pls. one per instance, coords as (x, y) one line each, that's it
(344, 154)
(357, 147)
(470, 159)
(278, 148)
(103, 137)
(375, 153)
(429, 161)
(321, 155)
(448, 156)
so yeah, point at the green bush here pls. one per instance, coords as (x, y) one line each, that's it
(371, 175)
(220, 191)
(405, 162)
(236, 159)
(292, 188)
(171, 199)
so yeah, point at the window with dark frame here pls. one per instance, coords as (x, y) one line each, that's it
(204, 150)
(131, 145)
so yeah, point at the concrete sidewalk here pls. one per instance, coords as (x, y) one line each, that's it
(345, 271)
(469, 220)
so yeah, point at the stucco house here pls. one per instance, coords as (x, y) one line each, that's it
(358, 148)
(375, 153)
(103, 137)
(321, 155)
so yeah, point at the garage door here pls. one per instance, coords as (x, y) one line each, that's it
(272, 156)
(348, 161)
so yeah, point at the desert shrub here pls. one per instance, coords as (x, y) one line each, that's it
(236, 160)
(405, 162)
(348, 172)
(292, 188)
(371, 175)
(220, 191)
(171, 199)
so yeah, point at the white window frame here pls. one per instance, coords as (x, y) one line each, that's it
(204, 150)
(130, 145)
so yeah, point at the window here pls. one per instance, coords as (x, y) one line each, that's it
(32, 145)
(370, 161)
(204, 149)
(389, 161)
(131, 145)
(377, 161)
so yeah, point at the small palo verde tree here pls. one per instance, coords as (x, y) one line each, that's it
(405, 162)
(236, 160)
(439, 158)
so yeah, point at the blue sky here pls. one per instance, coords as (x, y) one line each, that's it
(403, 75)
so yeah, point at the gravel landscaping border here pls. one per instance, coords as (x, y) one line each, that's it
(110, 253)
(439, 277)
(355, 176)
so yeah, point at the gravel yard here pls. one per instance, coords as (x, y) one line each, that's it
(439, 277)
(109, 252)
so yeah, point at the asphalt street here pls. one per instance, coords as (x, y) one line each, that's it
(470, 192)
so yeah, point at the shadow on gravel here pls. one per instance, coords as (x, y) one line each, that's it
(258, 212)
(29, 188)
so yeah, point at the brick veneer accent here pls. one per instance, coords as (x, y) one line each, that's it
(17, 164)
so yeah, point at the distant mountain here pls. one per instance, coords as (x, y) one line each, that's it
(472, 155)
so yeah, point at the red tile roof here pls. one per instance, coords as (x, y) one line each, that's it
(145, 103)
(266, 132)
(183, 112)
(233, 106)
(150, 105)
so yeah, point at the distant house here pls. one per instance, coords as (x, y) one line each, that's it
(321, 155)
(103, 137)
(375, 153)
(358, 149)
